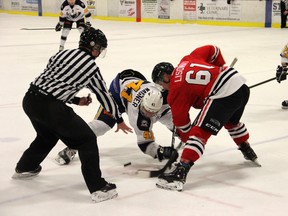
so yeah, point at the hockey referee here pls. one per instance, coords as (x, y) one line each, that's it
(66, 73)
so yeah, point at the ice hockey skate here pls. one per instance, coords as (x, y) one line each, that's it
(175, 178)
(105, 193)
(249, 153)
(24, 174)
(65, 156)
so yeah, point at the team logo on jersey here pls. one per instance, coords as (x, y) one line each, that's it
(148, 135)
(144, 123)
(74, 14)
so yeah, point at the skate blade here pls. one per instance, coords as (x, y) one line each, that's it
(100, 197)
(174, 186)
(26, 176)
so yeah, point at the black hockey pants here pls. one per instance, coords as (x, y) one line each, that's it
(53, 120)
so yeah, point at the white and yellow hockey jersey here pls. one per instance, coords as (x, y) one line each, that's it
(74, 13)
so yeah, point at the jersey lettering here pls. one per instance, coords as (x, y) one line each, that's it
(201, 77)
(179, 71)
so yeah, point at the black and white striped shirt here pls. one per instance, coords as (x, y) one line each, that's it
(68, 72)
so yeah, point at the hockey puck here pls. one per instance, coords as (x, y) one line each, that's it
(127, 164)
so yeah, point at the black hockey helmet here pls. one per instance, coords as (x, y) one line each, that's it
(160, 69)
(131, 73)
(92, 37)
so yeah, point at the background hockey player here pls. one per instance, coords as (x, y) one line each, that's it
(203, 82)
(72, 11)
(282, 70)
(144, 105)
(53, 120)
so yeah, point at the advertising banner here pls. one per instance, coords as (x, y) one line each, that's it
(164, 9)
(127, 8)
(149, 9)
(15, 5)
(29, 5)
(189, 10)
(219, 10)
(24, 5)
(276, 11)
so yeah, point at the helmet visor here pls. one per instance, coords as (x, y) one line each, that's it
(102, 50)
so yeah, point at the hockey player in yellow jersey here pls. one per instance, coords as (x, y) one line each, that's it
(144, 104)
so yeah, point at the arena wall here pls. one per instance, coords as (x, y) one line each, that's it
(254, 13)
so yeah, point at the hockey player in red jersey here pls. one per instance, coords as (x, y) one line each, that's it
(201, 80)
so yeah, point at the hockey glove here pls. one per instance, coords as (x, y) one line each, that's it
(58, 27)
(281, 73)
(88, 24)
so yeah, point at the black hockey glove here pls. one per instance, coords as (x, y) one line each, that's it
(281, 73)
(58, 27)
(88, 24)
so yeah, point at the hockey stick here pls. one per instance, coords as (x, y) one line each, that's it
(257, 84)
(156, 173)
(234, 62)
(48, 28)
(265, 81)
(173, 157)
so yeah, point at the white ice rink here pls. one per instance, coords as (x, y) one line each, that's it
(220, 183)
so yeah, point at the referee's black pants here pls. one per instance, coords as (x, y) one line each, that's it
(54, 120)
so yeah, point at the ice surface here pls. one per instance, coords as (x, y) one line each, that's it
(221, 182)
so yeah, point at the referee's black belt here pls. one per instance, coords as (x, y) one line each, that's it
(35, 90)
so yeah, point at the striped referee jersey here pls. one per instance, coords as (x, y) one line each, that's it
(68, 72)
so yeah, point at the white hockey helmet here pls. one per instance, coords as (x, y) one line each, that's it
(152, 101)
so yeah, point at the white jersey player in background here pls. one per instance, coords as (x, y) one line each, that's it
(144, 104)
(282, 70)
(72, 11)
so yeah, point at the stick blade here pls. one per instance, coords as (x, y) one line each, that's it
(148, 173)
(144, 173)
